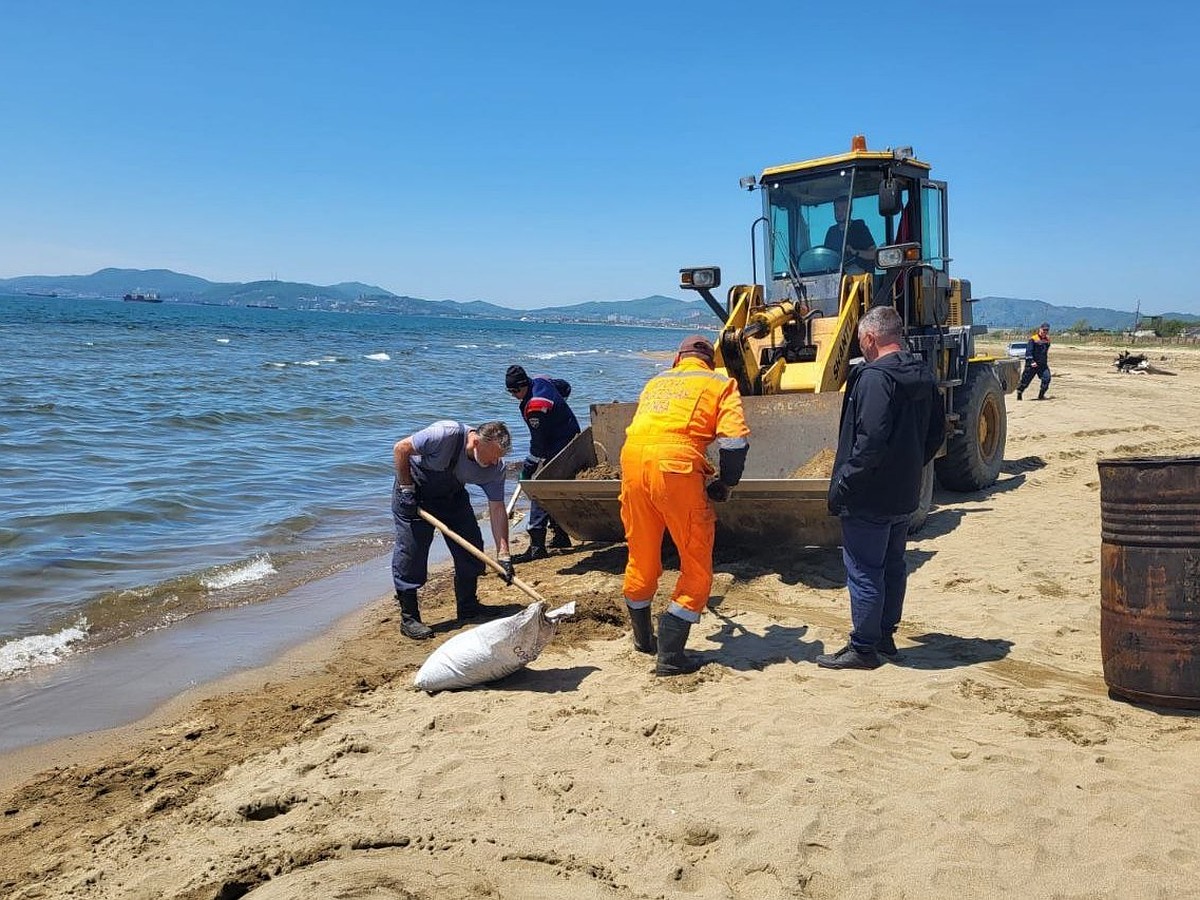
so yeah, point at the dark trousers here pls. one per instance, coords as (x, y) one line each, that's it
(1027, 377)
(410, 558)
(538, 517)
(876, 576)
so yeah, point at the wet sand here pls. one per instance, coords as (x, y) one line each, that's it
(988, 760)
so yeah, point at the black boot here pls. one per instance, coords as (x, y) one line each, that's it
(672, 637)
(536, 548)
(1042, 394)
(559, 539)
(466, 598)
(411, 625)
(643, 630)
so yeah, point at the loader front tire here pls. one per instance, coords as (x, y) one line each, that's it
(973, 457)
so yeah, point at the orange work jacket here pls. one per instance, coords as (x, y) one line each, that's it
(687, 408)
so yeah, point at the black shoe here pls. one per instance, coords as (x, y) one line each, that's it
(530, 554)
(1019, 394)
(850, 658)
(1041, 396)
(415, 629)
(887, 647)
(478, 612)
(559, 540)
(411, 625)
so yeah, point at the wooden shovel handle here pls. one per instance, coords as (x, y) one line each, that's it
(476, 552)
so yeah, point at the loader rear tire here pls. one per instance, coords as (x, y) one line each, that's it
(917, 520)
(973, 458)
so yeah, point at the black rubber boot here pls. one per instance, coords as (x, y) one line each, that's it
(411, 625)
(672, 637)
(643, 630)
(466, 598)
(559, 540)
(536, 548)
(1042, 394)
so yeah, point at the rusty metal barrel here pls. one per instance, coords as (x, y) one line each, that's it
(1150, 579)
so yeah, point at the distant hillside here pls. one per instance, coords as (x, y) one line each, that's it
(347, 296)
(111, 283)
(1008, 312)
(354, 296)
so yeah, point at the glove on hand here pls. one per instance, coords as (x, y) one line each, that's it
(530, 468)
(406, 505)
(718, 491)
(509, 572)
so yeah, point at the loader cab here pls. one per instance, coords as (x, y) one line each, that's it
(890, 199)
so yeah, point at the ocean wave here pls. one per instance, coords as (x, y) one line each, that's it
(378, 357)
(222, 340)
(466, 346)
(26, 653)
(556, 354)
(246, 573)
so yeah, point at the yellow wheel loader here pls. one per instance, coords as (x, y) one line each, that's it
(840, 235)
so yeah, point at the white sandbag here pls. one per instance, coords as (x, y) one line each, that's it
(490, 651)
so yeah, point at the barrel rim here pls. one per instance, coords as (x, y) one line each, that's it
(1149, 461)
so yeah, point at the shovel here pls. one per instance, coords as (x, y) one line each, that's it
(476, 552)
(512, 502)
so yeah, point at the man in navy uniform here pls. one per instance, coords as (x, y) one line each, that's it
(552, 424)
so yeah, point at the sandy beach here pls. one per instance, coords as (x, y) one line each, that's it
(988, 760)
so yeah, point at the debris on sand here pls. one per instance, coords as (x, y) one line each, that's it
(1137, 364)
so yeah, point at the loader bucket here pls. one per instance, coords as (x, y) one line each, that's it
(786, 432)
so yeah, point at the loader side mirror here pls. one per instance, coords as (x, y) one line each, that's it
(889, 198)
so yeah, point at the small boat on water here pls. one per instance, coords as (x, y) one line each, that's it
(148, 297)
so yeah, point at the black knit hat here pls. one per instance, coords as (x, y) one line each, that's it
(515, 378)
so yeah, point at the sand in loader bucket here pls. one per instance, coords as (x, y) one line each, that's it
(819, 466)
(599, 472)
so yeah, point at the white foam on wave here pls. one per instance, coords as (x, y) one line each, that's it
(256, 570)
(277, 365)
(559, 353)
(222, 340)
(310, 362)
(466, 346)
(26, 653)
(378, 357)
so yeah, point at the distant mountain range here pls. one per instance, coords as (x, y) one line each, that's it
(353, 296)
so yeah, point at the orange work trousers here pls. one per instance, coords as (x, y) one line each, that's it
(662, 487)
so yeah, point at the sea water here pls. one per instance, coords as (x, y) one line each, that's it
(162, 461)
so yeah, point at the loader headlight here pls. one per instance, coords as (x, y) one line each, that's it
(700, 279)
(897, 255)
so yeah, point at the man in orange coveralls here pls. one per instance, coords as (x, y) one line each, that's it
(663, 485)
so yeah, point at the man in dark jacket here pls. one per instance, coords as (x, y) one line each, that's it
(892, 425)
(1037, 361)
(552, 424)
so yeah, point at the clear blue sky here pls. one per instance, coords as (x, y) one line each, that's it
(542, 153)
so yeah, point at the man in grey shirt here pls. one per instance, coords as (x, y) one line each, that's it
(433, 468)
